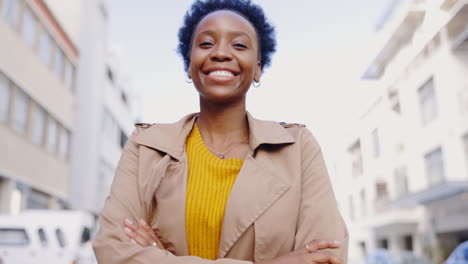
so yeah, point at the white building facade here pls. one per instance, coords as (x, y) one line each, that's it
(407, 162)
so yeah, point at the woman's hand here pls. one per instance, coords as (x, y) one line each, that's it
(142, 234)
(311, 253)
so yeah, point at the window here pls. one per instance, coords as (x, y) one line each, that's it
(58, 63)
(123, 139)
(52, 136)
(20, 112)
(401, 181)
(38, 125)
(29, 28)
(64, 144)
(85, 235)
(408, 242)
(383, 243)
(376, 143)
(381, 190)
(428, 102)
(11, 12)
(42, 237)
(356, 157)
(60, 237)
(435, 166)
(37, 200)
(45, 47)
(110, 75)
(69, 77)
(5, 92)
(13, 237)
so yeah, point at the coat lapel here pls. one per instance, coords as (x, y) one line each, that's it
(254, 191)
(256, 188)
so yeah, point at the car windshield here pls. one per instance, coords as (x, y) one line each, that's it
(13, 237)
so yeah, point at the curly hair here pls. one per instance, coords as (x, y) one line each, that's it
(252, 12)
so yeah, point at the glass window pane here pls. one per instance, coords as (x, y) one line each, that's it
(37, 200)
(435, 166)
(42, 237)
(13, 237)
(64, 144)
(5, 92)
(52, 136)
(38, 125)
(20, 112)
(45, 47)
(428, 102)
(29, 27)
(58, 63)
(11, 12)
(69, 74)
(60, 237)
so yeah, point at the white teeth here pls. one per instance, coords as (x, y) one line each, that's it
(222, 73)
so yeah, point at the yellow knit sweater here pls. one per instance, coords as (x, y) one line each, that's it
(210, 180)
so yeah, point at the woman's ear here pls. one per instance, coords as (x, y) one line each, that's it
(258, 72)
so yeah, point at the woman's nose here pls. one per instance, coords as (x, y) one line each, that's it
(221, 53)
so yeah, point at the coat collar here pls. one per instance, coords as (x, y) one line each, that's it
(170, 138)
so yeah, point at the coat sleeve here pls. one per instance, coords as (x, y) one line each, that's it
(319, 217)
(111, 246)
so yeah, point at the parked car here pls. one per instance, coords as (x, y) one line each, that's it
(46, 236)
(383, 256)
(459, 254)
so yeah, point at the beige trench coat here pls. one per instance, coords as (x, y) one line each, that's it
(282, 197)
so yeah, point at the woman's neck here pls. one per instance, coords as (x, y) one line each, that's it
(222, 125)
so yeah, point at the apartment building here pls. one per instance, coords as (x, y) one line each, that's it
(67, 105)
(38, 61)
(407, 160)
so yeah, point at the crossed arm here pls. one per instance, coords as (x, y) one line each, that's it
(142, 234)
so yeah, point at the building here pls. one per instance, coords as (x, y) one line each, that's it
(66, 105)
(38, 61)
(407, 160)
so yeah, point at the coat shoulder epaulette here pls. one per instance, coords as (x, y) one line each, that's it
(144, 125)
(288, 125)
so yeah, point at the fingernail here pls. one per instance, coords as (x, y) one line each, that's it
(132, 241)
(142, 222)
(128, 222)
(127, 230)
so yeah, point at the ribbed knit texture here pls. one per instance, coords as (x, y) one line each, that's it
(210, 180)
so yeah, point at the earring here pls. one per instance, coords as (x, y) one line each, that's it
(188, 79)
(256, 84)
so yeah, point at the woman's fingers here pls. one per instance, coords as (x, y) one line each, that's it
(316, 245)
(322, 257)
(150, 231)
(139, 234)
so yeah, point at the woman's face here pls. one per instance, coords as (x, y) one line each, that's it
(224, 57)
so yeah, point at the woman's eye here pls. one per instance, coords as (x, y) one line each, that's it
(239, 45)
(205, 44)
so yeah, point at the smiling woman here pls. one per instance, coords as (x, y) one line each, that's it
(219, 185)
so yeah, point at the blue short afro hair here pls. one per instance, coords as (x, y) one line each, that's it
(252, 12)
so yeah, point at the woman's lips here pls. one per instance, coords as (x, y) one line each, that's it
(221, 76)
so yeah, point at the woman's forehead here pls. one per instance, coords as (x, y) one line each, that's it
(225, 20)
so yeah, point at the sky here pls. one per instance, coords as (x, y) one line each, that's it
(323, 47)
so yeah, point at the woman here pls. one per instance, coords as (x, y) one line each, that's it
(221, 186)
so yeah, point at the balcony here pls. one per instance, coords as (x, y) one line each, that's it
(457, 28)
(397, 34)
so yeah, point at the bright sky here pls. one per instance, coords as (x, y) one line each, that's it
(312, 80)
